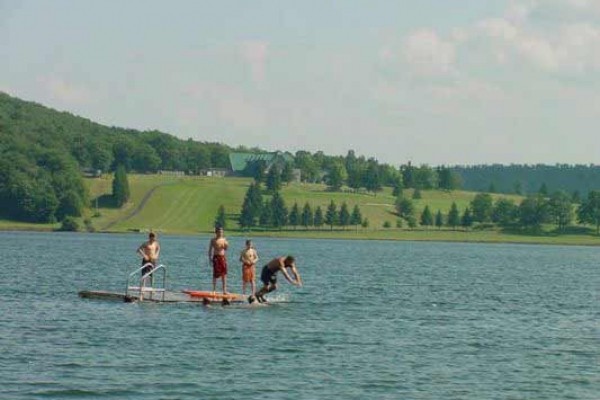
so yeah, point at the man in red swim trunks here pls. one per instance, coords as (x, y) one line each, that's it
(216, 256)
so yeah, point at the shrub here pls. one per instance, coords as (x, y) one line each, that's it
(69, 224)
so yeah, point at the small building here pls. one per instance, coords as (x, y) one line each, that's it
(240, 162)
(217, 172)
(91, 172)
(171, 173)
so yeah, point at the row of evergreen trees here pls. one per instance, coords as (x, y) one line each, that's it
(531, 213)
(274, 213)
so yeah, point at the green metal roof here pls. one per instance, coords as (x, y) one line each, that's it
(240, 160)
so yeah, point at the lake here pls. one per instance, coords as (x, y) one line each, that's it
(381, 320)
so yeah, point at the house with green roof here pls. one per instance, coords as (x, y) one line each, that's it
(241, 161)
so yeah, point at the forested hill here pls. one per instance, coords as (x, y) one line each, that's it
(527, 179)
(42, 153)
(25, 125)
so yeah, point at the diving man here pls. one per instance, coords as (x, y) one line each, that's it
(268, 276)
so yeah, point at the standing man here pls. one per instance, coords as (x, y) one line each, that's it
(268, 276)
(216, 256)
(249, 258)
(149, 251)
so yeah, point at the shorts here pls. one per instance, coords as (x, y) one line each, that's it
(219, 266)
(147, 268)
(248, 273)
(268, 277)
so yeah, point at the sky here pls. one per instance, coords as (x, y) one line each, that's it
(455, 82)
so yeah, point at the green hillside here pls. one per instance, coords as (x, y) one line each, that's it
(188, 205)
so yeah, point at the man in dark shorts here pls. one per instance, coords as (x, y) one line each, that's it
(149, 251)
(268, 276)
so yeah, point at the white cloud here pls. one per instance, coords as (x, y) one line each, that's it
(513, 38)
(427, 54)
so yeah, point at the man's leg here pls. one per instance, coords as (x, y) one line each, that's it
(254, 296)
(214, 284)
(267, 289)
(224, 284)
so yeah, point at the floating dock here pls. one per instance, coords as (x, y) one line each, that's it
(150, 293)
(169, 297)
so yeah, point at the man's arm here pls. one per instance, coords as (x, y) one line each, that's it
(287, 277)
(285, 273)
(210, 250)
(297, 274)
(157, 250)
(141, 251)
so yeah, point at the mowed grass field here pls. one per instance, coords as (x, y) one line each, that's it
(188, 205)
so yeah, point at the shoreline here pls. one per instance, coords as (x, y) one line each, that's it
(488, 237)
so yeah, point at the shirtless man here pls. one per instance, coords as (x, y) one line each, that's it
(268, 276)
(149, 251)
(249, 258)
(216, 256)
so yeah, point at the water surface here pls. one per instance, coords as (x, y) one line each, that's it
(383, 320)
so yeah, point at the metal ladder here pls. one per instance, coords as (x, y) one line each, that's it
(142, 289)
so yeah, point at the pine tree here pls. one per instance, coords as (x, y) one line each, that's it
(273, 179)
(331, 217)
(307, 216)
(251, 207)
(417, 194)
(120, 186)
(318, 221)
(246, 218)
(356, 217)
(439, 219)
(294, 218)
(266, 215)
(372, 178)
(405, 207)
(220, 218)
(453, 216)
(467, 219)
(426, 217)
(397, 191)
(344, 217)
(280, 211)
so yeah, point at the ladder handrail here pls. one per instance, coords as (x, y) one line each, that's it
(141, 288)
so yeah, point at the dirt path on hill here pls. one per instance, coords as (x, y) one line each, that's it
(136, 210)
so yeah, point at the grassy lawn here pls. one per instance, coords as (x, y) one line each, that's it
(189, 205)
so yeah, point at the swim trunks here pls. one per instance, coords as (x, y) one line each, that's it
(219, 266)
(147, 268)
(267, 276)
(248, 273)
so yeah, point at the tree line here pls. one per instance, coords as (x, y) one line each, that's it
(273, 213)
(354, 172)
(526, 179)
(43, 153)
(530, 214)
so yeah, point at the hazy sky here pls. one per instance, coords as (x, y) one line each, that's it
(432, 81)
